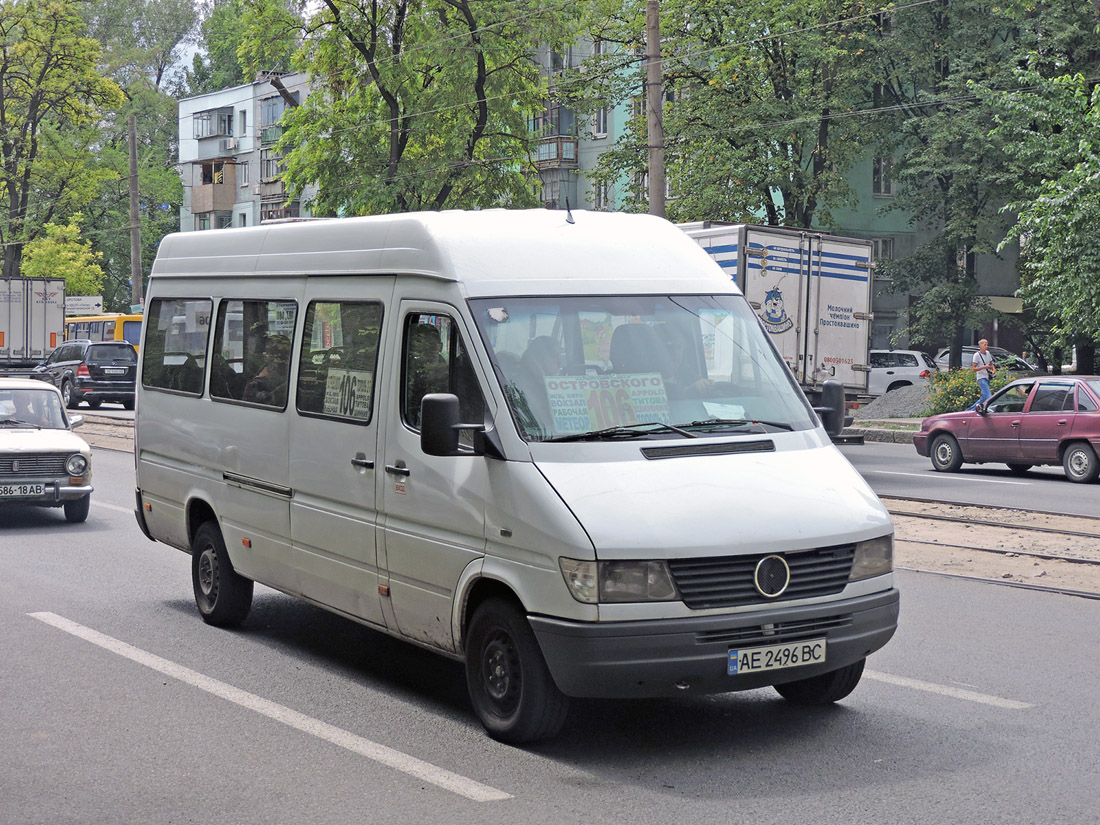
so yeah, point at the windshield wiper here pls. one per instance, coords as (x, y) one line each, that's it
(736, 423)
(16, 423)
(623, 431)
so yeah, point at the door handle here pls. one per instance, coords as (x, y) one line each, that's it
(398, 469)
(1062, 422)
(362, 462)
(1015, 424)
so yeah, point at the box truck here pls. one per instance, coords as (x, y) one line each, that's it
(811, 292)
(32, 322)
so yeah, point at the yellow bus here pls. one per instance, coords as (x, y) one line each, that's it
(111, 327)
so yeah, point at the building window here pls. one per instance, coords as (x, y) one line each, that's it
(599, 196)
(202, 221)
(242, 173)
(601, 122)
(242, 122)
(883, 248)
(882, 178)
(271, 165)
(274, 209)
(212, 123)
(224, 221)
(213, 172)
(243, 219)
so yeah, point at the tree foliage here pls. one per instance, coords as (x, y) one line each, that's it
(60, 253)
(759, 101)
(51, 96)
(1052, 127)
(419, 104)
(953, 170)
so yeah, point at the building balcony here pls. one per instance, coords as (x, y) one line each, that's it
(558, 151)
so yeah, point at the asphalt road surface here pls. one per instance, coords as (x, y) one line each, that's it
(897, 470)
(121, 706)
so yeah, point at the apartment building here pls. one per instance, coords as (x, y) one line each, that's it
(228, 159)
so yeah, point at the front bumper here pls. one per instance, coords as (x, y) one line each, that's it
(665, 657)
(56, 493)
(920, 441)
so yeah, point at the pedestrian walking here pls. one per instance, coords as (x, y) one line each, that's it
(984, 369)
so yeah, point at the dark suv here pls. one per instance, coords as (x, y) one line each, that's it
(92, 371)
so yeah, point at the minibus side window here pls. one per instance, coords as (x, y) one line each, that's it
(252, 346)
(336, 370)
(175, 345)
(436, 359)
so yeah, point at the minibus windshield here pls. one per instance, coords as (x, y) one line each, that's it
(612, 367)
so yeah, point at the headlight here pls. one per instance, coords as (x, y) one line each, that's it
(76, 465)
(618, 581)
(873, 558)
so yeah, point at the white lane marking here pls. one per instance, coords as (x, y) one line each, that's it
(944, 690)
(948, 477)
(395, 759)
(115, 507)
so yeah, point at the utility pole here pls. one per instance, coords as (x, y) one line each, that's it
(135, 220)
(654, 98)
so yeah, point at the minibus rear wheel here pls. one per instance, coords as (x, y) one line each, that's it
(223, 596)
(824, 689)
(511, 688)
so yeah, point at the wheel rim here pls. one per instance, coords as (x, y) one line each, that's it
(944, 452)
(1078, 463)
(208, 575)
(67, 393)
(500, 672)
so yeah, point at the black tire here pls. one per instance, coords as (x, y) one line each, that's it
(945, 453)
(1079, 462)
(897, 385)
(94, 403)
(824, 689)
(67, 395)
(1020, 469)
(76, 510)
(222, 595)
(511, 689)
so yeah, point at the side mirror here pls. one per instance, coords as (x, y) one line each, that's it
(75, 421)
(439, 424)
(832, 409)
(440, 427)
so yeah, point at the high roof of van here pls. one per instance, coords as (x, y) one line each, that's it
(488, 252)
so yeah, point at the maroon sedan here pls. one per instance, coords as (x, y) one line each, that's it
(1031, 421)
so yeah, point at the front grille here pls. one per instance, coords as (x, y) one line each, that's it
(777, 633)
(32, 466)
(727, 581)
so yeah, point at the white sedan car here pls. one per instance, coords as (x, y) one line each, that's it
(42, 462)
(891, 369)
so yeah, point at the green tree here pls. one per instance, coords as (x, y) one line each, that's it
(51, 96)
(228, 57)
(58, 252)
(419, 105)
(142, 39)
(953, 171)
(757, 119)
(1052, 129)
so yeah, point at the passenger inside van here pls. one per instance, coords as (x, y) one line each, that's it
(685, 379)
(268, 386)
(542, 358)
(425, 366)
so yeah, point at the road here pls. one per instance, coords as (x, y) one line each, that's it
(897, 470)
(121, 706)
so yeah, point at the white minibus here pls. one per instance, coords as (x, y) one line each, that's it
(556, 446)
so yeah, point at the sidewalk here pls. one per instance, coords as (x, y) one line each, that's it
(897, 430)
(103, 431)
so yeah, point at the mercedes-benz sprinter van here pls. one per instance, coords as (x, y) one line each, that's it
(558, 447)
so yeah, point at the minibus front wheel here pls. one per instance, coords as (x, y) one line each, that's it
(223, 596)
(511, 688)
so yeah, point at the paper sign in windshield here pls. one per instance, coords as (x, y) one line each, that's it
(581, 404)
(348, 393)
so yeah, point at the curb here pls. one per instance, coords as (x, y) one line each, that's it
(881, 435)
